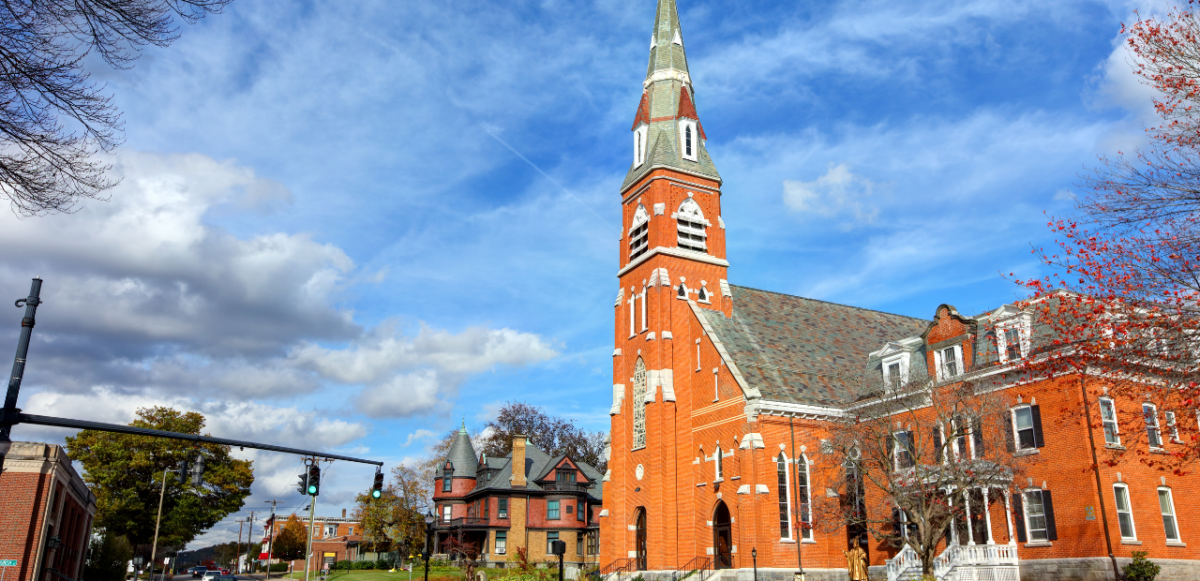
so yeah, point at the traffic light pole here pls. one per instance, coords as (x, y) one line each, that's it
(157, 522)
(312, 510)
(8, 416)
(271, 539)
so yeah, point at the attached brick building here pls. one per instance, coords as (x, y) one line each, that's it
(712, 380)
(333, 539)
(46, 514)
(491, 510)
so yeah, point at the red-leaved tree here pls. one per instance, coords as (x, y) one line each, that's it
(1123, 304)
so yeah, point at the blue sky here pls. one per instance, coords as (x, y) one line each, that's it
(349, 225)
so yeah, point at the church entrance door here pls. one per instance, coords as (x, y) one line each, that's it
(641, 539)
(722, 537)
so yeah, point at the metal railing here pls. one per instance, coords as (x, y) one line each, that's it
(464, 521)
(614, 569)
(698, 565)
(564, 486)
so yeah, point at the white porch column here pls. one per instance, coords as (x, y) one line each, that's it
(970, 529)
(987, 514)
(1008, 516)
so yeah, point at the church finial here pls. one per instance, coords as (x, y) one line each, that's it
(463, 430)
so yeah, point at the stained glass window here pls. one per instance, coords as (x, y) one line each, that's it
(639, 405)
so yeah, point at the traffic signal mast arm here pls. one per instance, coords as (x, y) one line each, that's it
(23, 418)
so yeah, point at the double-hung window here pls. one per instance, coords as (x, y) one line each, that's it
(1153, 432)
(1172, 428)
(501, 508)
(1026, 427)
(446, 513)
(902, 450)
(501, 542)
(550, 538)
(1124, 511)
(1167, 505)
(1108, 415)
(552, 509)
(1035, 516)
(949, 362)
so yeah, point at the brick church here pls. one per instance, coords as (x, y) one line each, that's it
(722, 395)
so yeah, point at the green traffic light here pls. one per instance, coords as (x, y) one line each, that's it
(312, 489)
(376, 494)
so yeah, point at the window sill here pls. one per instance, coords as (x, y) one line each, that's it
(1176, 544)
(720, 480)
(1130, 542)
(1154, 450)
(735, 478)
(1027, 452)
(702, 484)
(1036, 544)
(1114, 446)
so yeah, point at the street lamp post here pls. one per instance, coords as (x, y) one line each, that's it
(428, 534)
(754, 557)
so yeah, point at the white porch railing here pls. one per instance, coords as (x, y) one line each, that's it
(960, 563)
(905, 560)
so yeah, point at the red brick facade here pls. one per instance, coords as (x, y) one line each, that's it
(334, 539)
(43, 502)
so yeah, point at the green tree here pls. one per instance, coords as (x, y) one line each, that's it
(108, 557)
(395, 521)
(553, 434)
(126, 473)
(292, 540)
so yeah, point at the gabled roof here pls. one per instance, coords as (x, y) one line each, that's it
(537, 465)
(806, 351)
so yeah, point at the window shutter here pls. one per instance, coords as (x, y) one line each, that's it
(1019, 515)
(977, 435)
(1037, 427)
(896, 521)
(1051, 530)
(1010, 441)
(938, 451)
(891, 451)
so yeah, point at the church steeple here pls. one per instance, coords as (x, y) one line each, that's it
(667, 132)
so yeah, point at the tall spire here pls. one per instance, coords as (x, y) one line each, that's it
(667, 58)
(667, 129)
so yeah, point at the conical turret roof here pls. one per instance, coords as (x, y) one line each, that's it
(462, 455)
(666, 43)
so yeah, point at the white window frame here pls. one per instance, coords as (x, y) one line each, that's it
(697, 355)
(897, 448)
(782, 465)
(501, 543)
(639, 145)
(966, 435)
(447, 513)
(806, 535)
(1025, 509)
(1017, 429)
(639, 245)
(684, 125)
(1022, 325)
(1171, 515)
(1124, 488)
(632, 313)
(328, 529)
(1104, 422)
(718, 465)
(716, 385)
(1172, 427)
(502, 511)
(943, 373)
(1157, 426)
(643, 297)
(900, 359)
(689, 211)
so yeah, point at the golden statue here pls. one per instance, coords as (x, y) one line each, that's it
(856, 562)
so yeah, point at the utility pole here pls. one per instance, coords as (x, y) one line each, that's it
(8, 416)
(237, 566)
(158, 521)
(271, 537)
(312, 509)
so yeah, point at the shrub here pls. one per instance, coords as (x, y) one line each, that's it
(278, 567)
(342, 565)
(383, 564)
(363, 565)
(1141, 569)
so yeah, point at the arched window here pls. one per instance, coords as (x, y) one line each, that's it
(639, 405)
(690, 226)
(803, 495)
(785, 497)
(639, 238)
(717, 463)
(639, 146)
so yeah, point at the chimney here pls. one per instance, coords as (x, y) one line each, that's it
(343, 513)
(518, 461)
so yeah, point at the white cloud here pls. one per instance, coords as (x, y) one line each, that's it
(420, 434)
(403, 395)
(837, 192)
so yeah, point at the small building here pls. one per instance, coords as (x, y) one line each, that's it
(46, 513)
(333, 539)
(489, 511)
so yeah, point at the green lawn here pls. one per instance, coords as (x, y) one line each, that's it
(448, 573)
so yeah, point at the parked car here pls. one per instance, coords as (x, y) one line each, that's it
(210, 575)
(198, 572)
(225, 578)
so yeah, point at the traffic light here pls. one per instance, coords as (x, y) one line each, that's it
(183, 472)
(314, 480)
(302, 485)
(377, 488)
(198, 470)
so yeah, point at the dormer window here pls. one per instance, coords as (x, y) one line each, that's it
(895, 371)
(690, 225)
(687, 139)
(639, 233)
(639, 145)
(1012, 339)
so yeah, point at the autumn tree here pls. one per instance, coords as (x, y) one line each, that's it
(126, 474)
(292, 540)
(1122, 305)
(53, 118)
(107, 558)
(906, 462)
(396, 520)
(553, 434)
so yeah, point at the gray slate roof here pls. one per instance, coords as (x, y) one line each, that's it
(462, 454)
(537, 464)
(802, 350)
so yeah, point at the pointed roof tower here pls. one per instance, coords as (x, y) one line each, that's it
(667, 98)
(462, 455)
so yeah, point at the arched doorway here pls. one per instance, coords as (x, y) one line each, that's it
(641, 539)
(722, 538)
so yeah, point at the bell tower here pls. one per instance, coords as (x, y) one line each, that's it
(672, 261)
